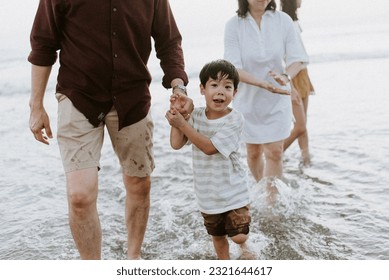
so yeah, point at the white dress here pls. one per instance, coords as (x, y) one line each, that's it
(268, 116)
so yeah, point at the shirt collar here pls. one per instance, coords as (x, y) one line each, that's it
(268, 13)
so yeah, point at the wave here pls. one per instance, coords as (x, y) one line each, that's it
(347, 56)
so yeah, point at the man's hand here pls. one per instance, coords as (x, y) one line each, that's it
(40, 125)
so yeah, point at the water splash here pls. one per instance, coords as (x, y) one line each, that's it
(287, 199)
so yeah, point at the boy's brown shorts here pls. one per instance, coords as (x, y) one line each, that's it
(230, 223)
(80, 142)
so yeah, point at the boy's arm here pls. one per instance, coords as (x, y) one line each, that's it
(200, 141)
(177, 138)
(182, 131)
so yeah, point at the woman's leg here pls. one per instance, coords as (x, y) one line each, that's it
(274, 167)
(299, 127)
(273, 157)
(255, 160)
(303, 138)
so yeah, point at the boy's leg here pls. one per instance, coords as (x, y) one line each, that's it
(222, 248)
(215, 225)
(238, 227)
(238, 224)
(240, 238)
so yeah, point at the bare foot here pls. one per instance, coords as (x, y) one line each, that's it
(305, 158)
(246, 253)
(271, 194)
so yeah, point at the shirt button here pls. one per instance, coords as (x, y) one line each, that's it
(114, 33)
(115, 55)
(115, 10)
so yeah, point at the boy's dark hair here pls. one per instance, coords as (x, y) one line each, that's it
(243, 7)
(290, 7)
(218, 69)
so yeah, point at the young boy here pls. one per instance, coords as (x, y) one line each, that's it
(220, 180)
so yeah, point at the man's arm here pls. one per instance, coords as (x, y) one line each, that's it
(180, 98)
(39, 120)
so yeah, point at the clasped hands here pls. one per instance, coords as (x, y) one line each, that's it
(181, 106)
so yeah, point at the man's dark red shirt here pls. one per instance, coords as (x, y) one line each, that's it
(104, 46)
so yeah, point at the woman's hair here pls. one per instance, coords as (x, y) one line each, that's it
(243, 7)
(219, 69)
(290, 7)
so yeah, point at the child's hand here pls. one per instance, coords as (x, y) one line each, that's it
(182, 103)
(175, 118)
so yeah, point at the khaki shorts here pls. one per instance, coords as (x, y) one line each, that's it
(230, 223)
(80, 142)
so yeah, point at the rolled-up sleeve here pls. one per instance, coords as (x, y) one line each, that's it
(45, 34)
(168, 48)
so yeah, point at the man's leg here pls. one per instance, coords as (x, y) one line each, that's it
(134, 147)
(80, 146)
(137, 212)
(82, 188)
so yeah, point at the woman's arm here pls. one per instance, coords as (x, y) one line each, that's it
(248, 78)
(293, 69)
(290, 72)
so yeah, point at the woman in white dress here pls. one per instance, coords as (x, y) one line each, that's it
(262, 44)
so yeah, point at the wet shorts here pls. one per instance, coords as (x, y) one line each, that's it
(80, 142)
(230, 223)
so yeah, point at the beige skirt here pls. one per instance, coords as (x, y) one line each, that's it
(302, 83)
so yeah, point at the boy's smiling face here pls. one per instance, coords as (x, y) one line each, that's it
(218, 95)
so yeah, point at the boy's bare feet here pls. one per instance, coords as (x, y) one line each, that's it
(246, 253)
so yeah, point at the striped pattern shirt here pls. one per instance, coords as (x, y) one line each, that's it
(220, 180)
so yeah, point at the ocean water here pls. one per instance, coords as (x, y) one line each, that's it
(335, 209)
